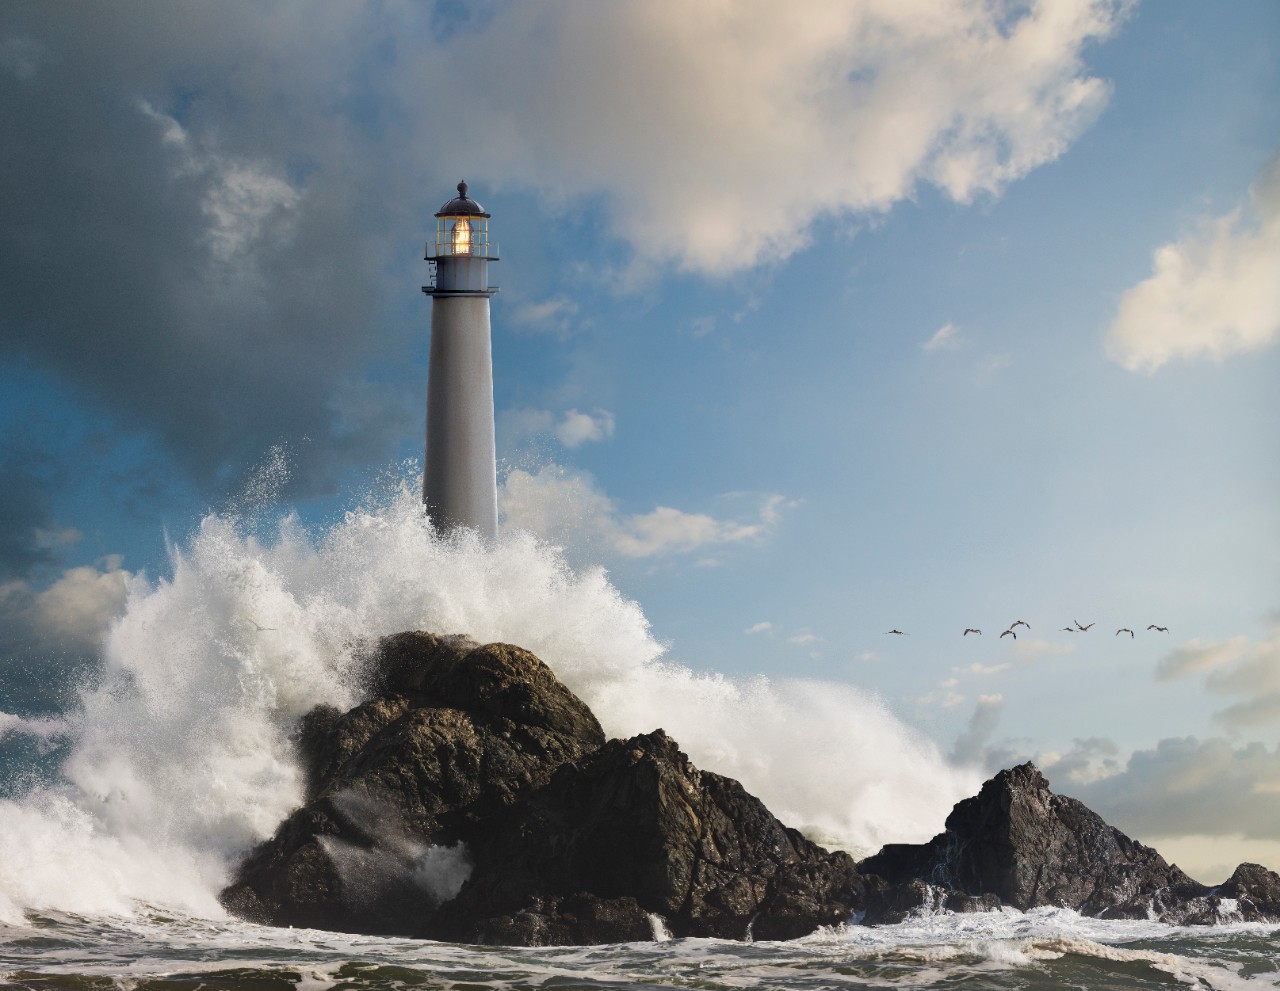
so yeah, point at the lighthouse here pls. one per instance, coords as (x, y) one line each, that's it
(460, 477)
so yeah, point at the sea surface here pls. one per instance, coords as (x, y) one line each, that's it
(1039, 949)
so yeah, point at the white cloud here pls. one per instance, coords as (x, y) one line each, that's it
(1213, 293)
(555, 315)
(702, 326)
(947, 337)
(245, 202)
(570, 429)
(72, 614)
(567, 507)
(981, 669)
(805, 639)
(1088, 760)
(1235, 667)
(757, 126)
(762, 627)
(947, 698)
(576, 429)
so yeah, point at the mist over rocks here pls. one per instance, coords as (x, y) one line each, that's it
(474, 798)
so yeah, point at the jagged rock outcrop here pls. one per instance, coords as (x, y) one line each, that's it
(459, 733)
(637, 820)
(474, 798)
(1017, 843)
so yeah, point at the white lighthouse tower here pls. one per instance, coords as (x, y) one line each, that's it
(460, 480)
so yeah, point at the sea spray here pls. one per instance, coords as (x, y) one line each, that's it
(181, 755)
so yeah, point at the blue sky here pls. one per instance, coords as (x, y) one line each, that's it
(887, 316)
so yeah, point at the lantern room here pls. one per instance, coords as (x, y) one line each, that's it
(461, 251)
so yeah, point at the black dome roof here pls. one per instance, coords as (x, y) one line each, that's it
(461, 204)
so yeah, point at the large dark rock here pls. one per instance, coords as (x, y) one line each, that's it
(394, 785)
(636, 820)
(475, 764)
(1017, 843)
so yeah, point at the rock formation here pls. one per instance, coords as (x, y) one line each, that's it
(1016, 843)
(475, 798)
(474, 778)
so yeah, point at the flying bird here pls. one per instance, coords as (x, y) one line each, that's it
(1125, 629)
(896, 632)
(969, 630)
(1082, 629)
(1020, 622)
(1008, 633)
(259, 627)
(1162, 629)
(1068, 629)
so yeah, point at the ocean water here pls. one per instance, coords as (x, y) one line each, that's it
(178, 758)
(1042, 949)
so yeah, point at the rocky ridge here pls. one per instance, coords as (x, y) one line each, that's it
(475, 798)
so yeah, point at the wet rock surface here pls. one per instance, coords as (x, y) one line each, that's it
(636, 820)
(1017, 843)
(474, 798)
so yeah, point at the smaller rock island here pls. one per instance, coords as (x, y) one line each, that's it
(475, 799)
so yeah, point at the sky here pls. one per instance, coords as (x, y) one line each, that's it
(814, 323)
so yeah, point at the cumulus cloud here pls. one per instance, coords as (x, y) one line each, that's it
(570, 428)
(946, 338)
(1189, 786)
(71, 614)
(554, 315)
(1213, 293)
(50, 636)
(945, 695)
(805, 639)
(568, 508)
(1090, 759)
(762, 126)
(761, 627)
(1239, 667)
(576, 429)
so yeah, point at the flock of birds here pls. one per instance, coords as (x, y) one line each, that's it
(1011, 631)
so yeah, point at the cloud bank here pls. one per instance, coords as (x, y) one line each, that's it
(1240, 667)
(1212, 294)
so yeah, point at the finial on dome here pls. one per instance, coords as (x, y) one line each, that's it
(462, 188)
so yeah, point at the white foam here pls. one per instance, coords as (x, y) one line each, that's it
(181, 757)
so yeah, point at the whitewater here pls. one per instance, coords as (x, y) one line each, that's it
(178, 756)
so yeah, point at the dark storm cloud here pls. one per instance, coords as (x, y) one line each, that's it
(193, 231)
(29, 536)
